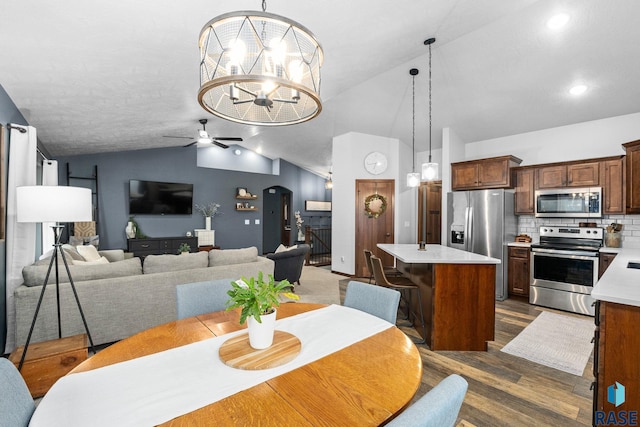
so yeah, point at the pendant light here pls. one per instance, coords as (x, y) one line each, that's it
(429, 170)
(329, 182)
(259, 68)
(413, 178)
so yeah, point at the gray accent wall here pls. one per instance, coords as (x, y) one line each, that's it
(179, 165)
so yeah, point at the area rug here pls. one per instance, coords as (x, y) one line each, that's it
(319, 285)
(555, 340)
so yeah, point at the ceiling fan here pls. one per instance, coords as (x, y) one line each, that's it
(203, 137)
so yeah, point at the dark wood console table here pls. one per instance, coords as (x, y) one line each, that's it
(160, 245)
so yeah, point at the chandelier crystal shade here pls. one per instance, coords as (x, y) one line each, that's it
(259, 68)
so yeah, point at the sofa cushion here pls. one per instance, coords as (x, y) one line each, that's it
(162, 263)
(232, 256)
(34, 274)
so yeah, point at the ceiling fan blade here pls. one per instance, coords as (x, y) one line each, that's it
(189, 145)
(226, 138)
(220, 144)
(170, 136)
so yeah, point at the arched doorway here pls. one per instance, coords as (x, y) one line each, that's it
(277, 218)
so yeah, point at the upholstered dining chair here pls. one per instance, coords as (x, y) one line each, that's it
(389, 271)
(438, 408)
(375, 300)
(406, 288)
(197, 298)
(16, 404)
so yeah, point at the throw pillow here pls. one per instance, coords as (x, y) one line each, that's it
(102, 260)
(283, 248)
(232, 256)
(88, 252)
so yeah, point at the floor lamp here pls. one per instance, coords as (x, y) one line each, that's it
(44, 203)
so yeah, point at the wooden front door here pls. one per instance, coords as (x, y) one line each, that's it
(373, 227)
(429, 212)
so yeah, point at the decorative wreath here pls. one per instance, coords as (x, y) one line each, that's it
(373, 199)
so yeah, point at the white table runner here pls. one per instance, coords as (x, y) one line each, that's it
(157, 388)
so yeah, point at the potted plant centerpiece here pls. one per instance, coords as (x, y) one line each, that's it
(258, 300)
(184, 248)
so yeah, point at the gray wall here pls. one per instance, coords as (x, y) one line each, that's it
(179, 165)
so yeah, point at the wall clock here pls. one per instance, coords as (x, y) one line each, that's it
(375, 163)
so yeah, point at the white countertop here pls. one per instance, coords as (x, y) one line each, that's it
(620, 284)
(435, 254)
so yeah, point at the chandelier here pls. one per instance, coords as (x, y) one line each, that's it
(259, 68)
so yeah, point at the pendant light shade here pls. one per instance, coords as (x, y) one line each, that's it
(430, 169)
(259, 68)
(413, 178)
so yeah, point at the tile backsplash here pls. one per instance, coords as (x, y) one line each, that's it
(528, 224)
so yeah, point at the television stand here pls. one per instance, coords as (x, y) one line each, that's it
(160, 245)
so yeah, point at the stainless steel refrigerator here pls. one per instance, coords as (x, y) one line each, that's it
(483, 222)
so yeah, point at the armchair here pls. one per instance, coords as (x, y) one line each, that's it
(288, 264)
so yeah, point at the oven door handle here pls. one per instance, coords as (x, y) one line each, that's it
(564, 254)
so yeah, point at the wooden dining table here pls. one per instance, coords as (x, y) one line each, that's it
(365, 384)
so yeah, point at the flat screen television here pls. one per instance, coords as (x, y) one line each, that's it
(160, 198)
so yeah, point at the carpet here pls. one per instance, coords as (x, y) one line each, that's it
(319, 285)
(555, 340)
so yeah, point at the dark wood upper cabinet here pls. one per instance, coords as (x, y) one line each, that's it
(493, 172)
(633, 177)
(569, 175)
(612, 180)
(525, 189)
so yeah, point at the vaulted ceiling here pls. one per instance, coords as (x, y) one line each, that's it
(105, 76)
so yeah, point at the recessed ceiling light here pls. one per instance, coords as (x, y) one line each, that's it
(558, 21)
(578, 90)
(259, 150)
(237, 152)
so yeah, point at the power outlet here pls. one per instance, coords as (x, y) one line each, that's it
(341, 259)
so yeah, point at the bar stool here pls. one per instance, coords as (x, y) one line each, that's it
(404, 286)
(388, 271)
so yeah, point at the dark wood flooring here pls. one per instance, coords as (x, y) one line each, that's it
(506, 390)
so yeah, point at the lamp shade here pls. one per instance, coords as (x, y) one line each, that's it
(48, 203)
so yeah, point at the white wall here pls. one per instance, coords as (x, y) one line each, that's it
(453, 150)
(349, 151)
(597, 138)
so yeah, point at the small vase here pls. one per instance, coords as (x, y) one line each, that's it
(261, 334)
(300, 235)
(207, 223)
(130, 230)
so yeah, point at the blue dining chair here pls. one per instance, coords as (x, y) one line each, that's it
(16, 404)
(372, 299)
(438, 408)
(197, 298)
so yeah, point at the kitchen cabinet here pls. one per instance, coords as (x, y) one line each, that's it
(569, 175)
(617, 346)
(518, 271)
(525, 189)
(493, 172)
(632, 177)
(603, 263)
(612, 182)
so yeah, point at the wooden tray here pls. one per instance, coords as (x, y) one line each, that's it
(237, 353)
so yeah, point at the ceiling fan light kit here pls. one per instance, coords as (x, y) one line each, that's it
(204, 140)
(259, 68)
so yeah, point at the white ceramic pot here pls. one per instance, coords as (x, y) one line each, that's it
(300, 235)
(261, 334)
(207, 223)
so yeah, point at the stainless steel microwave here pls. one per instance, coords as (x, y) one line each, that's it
(569, 202)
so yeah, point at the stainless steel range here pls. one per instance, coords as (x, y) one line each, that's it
(565, 268)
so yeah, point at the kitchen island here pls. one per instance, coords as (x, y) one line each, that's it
(457, 290)
(617, 341)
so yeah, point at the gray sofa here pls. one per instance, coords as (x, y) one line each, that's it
(124, 296)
